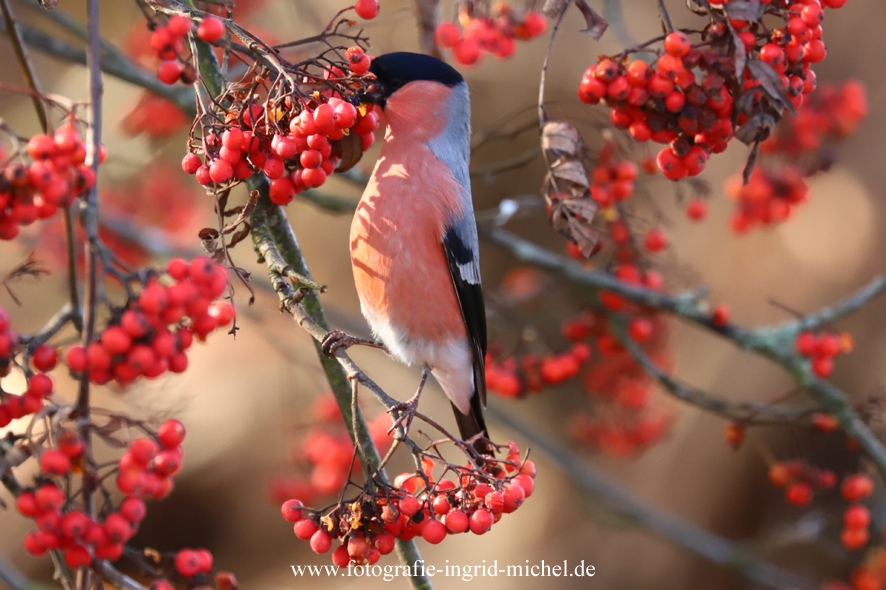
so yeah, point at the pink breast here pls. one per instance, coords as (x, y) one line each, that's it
(400, 268)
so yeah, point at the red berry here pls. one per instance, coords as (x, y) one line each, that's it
(186, 561)
(697, 209)
(799, 494)
(45, 358)
(169, 71)
(133, 509)
(220, 171)
(854, 538)
(481, 521)
(823, 366)
(211, 29)
(77, 556)
(514, 496)
(340, 556)
(305, 528)
(54, 462)
(179, 25)
(191, 163)
(806, 343)
(456, 521)
(447, 34)
(366, 9)
(292, 510)
(434, 532)
(677, 44)
(857, 516)
(321, 542)
(857, 486)
(720, 315)
(656, 240)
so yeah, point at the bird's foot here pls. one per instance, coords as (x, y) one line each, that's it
(336, 339)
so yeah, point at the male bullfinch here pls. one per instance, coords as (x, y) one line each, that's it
(414, 248)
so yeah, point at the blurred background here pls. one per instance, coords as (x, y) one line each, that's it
(246, 401)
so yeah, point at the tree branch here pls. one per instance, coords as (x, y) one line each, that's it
(115, 64)
(775, 343)
(689, 536)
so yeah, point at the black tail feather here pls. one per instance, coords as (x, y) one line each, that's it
(473, 424)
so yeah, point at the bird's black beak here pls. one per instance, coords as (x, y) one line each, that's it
(374, 95)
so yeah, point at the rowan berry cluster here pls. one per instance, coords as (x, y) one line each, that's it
(143, 471)
(150, 336)
(833, 112)
(800, 480)
(170, 41)
(739, 71)
(469, 499)
(488, 30)
(48, 174)
(821, 349)
(623, 422)
(324, 455)
(296, 141)
(796, 150)
(768, 197)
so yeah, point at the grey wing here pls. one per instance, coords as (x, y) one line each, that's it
(461, 246)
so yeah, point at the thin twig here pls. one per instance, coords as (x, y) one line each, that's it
(18, 46)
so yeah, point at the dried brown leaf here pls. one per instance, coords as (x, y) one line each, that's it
(750, 10)
(584, 236)
(554, 8)
(741, 54)
(596, 24)
(571, 171)
(771, 83)
(350, 149)
(561, 137)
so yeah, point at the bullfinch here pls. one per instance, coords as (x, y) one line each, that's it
(413, 241)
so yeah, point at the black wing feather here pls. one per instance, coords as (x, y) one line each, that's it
(470, 299)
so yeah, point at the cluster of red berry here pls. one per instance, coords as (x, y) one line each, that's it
(822, 349)
(493, 32)
(417, 506)
(51, 174)
(768, 197)
(296, 150)
(691, 95)
(149, 338)
(146, 469)
(800, 480)
(192, 562)
(325, 452)
(169, 42)
(609, 374)
(833, 112)
(795, 151)
(62, 527)
(13, 407)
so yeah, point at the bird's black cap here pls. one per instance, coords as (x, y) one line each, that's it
(395, 70)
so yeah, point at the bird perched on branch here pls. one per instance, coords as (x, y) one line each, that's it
(414, 247)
